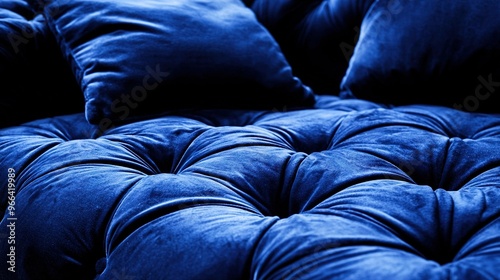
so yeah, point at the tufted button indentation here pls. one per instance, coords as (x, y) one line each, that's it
(348, 188)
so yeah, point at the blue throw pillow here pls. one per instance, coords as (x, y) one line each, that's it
(135, 58)
(438, 52)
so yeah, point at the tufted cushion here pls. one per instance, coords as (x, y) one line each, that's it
(134, 58)
(348, 190)
(437, 52)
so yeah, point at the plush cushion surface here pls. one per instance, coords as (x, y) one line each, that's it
(136, 58)
(347, 190)
(34, 78)
(436, 52)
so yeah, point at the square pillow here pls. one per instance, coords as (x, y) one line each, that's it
(135, 58)
(28, 90)
(436, 52)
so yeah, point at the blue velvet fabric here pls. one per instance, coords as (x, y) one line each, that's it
(346, 190)
(435, 52)
(343, 188)
(34, 78)
(135, 58)
(317, 37)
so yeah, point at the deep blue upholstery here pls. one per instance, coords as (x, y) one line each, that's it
(29, 88)
(436, 52)
(342, 189)
(134, 58)
(348, 190)
(392, 51)
(317, 37)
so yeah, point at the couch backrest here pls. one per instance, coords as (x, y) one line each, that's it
(34, 78)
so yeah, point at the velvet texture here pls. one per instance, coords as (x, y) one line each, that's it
(35, 81)
(342, 188)
(136, 58)
(347, 190)
(317, 37)
(436, 52)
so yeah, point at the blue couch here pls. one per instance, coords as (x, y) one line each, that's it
(340, 185)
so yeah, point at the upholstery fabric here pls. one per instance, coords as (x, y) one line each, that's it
(34, 78)
(435, 52)
(317, 37)
(346, 190)
(347, 187)
(135, 58)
